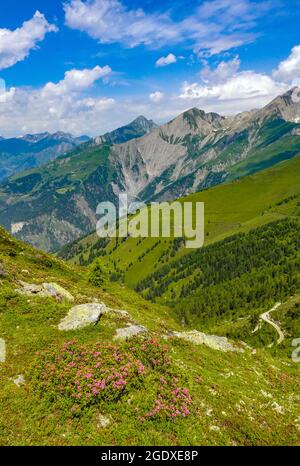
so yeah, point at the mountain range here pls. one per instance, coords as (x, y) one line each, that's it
(33, 150)
(55, 204)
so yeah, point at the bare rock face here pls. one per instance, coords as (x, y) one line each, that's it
(82, 316)
(286, 106)
(2, 350)
(45, 290)
(29, 289)
(129, 331)
(212, 341)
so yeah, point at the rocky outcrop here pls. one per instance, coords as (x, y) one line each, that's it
(129, 331)
(19, 380)
(2, 350)
(45, 290)
(212, 341)
(184, 155)
(82, 316)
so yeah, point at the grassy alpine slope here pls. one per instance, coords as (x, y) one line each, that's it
(231, 208)
(233, 279)
(221, 398)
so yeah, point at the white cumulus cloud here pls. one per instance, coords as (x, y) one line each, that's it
(76, 80)
(231, 90)
(156, 96)
(165, 61)
(289, 69)
(66, 105)
(224, 70)
(15, 45)
(245, 85)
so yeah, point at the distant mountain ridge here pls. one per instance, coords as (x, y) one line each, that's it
(194, 151)
(32, 150)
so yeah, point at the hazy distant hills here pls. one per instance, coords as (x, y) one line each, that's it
(53, 205)
(33, 150)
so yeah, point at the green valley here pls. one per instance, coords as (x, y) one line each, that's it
(231, 208)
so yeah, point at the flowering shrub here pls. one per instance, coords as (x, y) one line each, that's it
(86, 374)
(151, 352)
(172, 400)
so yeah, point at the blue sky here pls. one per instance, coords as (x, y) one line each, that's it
(88, 66)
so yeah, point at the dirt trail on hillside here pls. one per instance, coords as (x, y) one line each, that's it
(265, 316)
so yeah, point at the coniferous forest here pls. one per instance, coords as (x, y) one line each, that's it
(231, 278)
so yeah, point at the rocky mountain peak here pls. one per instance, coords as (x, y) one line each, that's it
(194, 121)
(286, 106)
(137, 128)
(143, 124)
(194, 151)
(141, 120)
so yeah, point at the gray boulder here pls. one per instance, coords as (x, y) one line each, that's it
(82, 316)
(212, 341)
(45, 290)
(57, 292)
(2, 350)
(129, 331)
